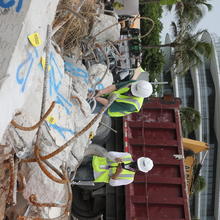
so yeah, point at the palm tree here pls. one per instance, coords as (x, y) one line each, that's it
(190, 11)
(188, 49)
(190, 52)
(190, 120)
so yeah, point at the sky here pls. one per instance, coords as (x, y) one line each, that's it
(209, 22)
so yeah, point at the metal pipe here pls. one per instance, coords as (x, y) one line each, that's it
(108, 127)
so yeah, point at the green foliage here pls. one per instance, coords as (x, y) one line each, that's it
(168, 2)
(189, 51)
(152, 59)
(188, 48)
(190, 120)
(199, 184)
(161, 2)
(193, 11)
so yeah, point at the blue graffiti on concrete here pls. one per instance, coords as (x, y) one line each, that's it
(11, 3)
(36, 52)
(55, 77)
(76, 71)
(61, 130)
(22, 80)
(28, 63)
(54, 80)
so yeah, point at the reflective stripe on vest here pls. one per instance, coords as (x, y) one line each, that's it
(125, 174)
(135, 101)
(127, 159)
(128, 99)
(103, 174)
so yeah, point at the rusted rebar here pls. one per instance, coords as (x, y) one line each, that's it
(67, 206)
(3, 145)
(31, 218)
(82, 131)
(69, 191)
(44, 169)
(61, 23)
(21, 182)
(4, 157)
(33, 200)
(80, 104)
(75, 13)
(38, 124)
(11, 179)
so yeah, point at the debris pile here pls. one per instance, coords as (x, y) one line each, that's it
(71, 26)
(52, 127)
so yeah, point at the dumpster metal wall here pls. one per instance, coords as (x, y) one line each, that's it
(162, 193)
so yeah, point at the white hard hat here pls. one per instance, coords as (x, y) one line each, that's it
(141, 88)
(145, 164)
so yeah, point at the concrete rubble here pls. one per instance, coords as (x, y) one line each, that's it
(21, 89)
(104, 22)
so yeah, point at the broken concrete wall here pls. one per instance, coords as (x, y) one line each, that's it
(19, 65)
(21, 92)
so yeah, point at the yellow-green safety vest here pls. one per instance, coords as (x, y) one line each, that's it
(103, 173)
(135, 101)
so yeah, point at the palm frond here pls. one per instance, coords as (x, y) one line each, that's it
(204, 48)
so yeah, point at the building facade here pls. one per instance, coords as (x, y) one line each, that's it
(200, 89)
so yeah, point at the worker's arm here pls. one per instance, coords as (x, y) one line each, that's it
(102, 100)
(118, 171)
(117, 156)
(106, 90)
(118, 160)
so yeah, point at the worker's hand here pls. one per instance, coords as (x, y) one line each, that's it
(98, 94)
(119, 169)
(92, 94)
(118, 160)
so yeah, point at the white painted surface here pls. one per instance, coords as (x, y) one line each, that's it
(14, 47)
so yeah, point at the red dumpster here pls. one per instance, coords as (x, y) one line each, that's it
(155, 132)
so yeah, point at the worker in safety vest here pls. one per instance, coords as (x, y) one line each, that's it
(131, 95)
(117, 168)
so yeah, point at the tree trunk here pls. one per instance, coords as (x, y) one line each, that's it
(161, 2)
(158, 46)
(143, 2)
